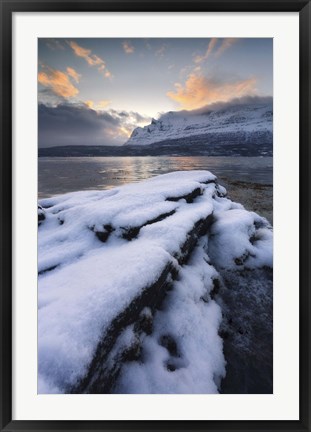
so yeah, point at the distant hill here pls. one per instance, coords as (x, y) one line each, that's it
(182, 147)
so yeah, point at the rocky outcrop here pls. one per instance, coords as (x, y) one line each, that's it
(126, 274)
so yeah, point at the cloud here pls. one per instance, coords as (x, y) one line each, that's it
(91, 59)
(102, 104)
(54, 44)
(244, 100)
(77, 124)
(160, 51)
(97, 106)
(226, 43)
(108, 74)
(57, 81)
(48, 97)
(210, 48)
(129, 120)
(199, 91)
(89, 103)
(128, 47)
(74, 74)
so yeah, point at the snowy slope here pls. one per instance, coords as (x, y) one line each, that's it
(127, 284)
(250, 116)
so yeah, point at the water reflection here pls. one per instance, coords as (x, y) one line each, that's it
(61, 175)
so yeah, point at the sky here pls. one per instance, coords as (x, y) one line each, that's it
(110, 86)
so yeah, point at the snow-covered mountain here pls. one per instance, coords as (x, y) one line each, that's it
(242, 121)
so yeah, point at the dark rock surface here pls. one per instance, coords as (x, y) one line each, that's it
(246, 298)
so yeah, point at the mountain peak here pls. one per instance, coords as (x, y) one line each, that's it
(249, 115)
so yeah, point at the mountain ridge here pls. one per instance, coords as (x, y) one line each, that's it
(246, 116)
(241, 127)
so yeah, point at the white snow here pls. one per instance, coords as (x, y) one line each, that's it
(78, 302)
(193, 324)
(85, 283)
(250, 245)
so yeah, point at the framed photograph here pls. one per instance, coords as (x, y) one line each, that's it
(155, 215)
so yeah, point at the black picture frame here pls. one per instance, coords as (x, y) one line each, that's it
(8, 7)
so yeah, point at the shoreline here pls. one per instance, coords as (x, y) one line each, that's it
(257, 197)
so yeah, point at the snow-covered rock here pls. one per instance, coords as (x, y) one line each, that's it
(128, 282)
(240, 120)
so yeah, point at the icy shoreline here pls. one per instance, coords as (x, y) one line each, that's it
(130, 284)
(256, 197)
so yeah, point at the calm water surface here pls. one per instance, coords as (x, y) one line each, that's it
(61, 175)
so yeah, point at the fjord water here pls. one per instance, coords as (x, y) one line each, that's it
(57, 175)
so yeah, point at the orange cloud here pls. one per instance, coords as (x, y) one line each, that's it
(199, 91)
(91, 59)
(74, 74)
(108, 74)
(97, 106)
(58, 82)
(89, 103)
(128, 47)
(226, 43)
(211, 46)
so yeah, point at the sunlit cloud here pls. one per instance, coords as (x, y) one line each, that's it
(125, 131)
(128, 47)
(226, 43)
(58, 81)
(102, 104)
(108, 74)
(91, 59)
(128, 121)
(185, 71)
(210, 48)
(81, 124)
(89, 103)
(199, 91)
(74, 74)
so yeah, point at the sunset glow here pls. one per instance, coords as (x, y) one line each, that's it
(129, 81)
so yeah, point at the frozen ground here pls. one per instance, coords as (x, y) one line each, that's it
(133, 287)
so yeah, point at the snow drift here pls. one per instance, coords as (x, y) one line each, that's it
(132, 285)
